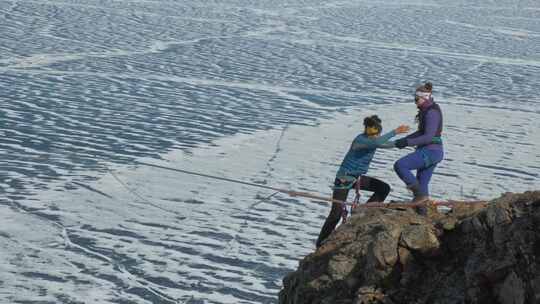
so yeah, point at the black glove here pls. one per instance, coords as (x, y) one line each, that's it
(401, 143)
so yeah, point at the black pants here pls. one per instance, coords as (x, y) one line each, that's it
(380, 191)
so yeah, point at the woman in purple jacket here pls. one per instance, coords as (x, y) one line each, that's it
(429, 149)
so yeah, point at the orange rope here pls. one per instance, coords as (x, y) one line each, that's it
(314, 196)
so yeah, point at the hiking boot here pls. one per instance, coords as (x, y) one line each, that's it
(420, 199)
(422, 202)
(421, 210)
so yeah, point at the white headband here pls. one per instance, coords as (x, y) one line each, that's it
(423, 94)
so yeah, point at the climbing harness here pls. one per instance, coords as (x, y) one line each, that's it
(356, 200)
(348, 182)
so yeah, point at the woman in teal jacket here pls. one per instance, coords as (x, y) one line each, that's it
(353, 168)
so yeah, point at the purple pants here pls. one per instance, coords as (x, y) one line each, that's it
(424, 162)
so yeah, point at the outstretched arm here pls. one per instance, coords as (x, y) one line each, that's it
(388, 145)
(433, 118)
(413, 135)
(369, 143)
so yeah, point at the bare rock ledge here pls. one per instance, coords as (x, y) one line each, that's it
(474, 254)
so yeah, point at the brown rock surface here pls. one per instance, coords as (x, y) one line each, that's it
(473, 254)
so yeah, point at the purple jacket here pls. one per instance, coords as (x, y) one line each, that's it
(430, 126)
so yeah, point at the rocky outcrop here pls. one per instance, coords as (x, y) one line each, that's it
(473, 254)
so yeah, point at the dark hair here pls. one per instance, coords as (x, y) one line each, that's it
(373, 121)
(426, 87)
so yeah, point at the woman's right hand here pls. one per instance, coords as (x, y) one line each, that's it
(402, 129)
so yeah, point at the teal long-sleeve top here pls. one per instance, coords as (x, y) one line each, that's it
(361, 152)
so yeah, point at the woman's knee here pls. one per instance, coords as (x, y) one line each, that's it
(378, 186)
(398, 165)
(385, 189)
